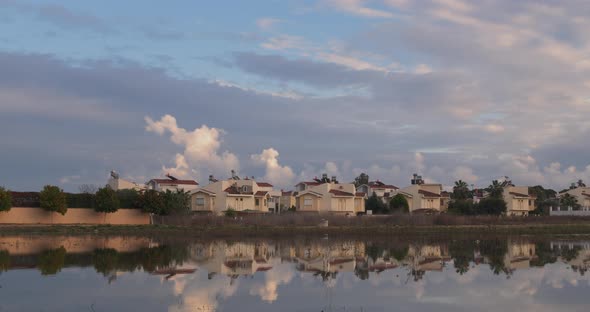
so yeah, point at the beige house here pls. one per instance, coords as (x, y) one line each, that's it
(116, 183)
(582, 194)
(329, 197)
(171, 184)
(287, 200)
(237, 194)
(383, 191)
(518, 200)
(424, 198)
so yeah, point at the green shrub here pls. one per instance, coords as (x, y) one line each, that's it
(52, 198)
(129, 198)
(151, 201)
(106, 200)
(231, 213)
(462, 207)
(5, 200)
(175, 202)
(399, 203)
(83, 200)
(491, 206)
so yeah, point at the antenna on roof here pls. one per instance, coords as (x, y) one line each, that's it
(171, 177)
(114, 174)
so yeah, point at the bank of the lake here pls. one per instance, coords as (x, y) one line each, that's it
(293, 231)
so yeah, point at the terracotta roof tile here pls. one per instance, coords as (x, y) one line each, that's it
(360, 194)
(175, 182)
(428, 194)
(340, 193)
(261, 193)
(264, 184)
(519, 194)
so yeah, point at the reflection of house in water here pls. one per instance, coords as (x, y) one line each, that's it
(519, 255)
(423, 258)
(234, 259)
(576, 254)
(327, 259)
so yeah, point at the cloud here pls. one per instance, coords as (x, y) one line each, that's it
(267, 23)
(281, 176)
(357, 7)
(201, 147)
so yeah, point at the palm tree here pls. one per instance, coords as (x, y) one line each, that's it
(461, 190)
(581, 183)
(496, 189)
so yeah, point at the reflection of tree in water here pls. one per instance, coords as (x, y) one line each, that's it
(361, 270)
(495, 250)
(51, 261)
(416, 274)
(545, 254)
(462, 254)
(4, 260)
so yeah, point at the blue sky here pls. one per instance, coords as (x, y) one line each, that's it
(287, 90)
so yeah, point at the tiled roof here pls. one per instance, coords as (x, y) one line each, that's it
(261, 193)
(264, 184)
(383, 186)
(340, 193)
(518, 194)
(175, 182)
(428, 194)
(360, 194)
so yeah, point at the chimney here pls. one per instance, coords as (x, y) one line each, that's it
(334, 179)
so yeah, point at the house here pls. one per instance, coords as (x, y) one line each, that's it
(171, 184)
(582, 195)
(518, 200)
(425, 198)
(116, 183)
(235, 193)
(383, 191)
(329, 196)
(287, 200)
(273, 202)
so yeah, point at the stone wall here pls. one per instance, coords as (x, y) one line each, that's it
(28, 215)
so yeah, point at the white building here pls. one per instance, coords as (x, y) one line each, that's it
(172, 184)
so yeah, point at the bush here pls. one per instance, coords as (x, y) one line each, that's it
(462, 207)
(52, 198)
(106, 200)
(4, 260)
(151, 201)
(175, 202)
(376, 205)
(129, 198)
(491, 206)
(83, 200)
(399, 203)
(231, 213)
(5, 200)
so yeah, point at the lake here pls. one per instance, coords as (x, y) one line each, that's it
(86, 273)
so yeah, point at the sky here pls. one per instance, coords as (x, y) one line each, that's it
(287, 90)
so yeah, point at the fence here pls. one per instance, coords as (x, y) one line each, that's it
(32, 215)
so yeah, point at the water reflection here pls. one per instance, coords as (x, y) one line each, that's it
(306, 274)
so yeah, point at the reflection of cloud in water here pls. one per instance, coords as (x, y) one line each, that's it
(282, 273)
(194, 295)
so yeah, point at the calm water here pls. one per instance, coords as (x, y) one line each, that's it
(142, 274)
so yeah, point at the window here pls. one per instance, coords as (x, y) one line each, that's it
(308, 202)
(200, 201)
(257, 202)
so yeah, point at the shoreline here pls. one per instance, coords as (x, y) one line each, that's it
(296, 231)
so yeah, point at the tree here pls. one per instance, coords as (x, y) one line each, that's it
(5, 200)
(546, 198)
(461, 191)
(175, 202)
(4, 260)
(399, 203)
(53, 199)
(569, 201)
(106, 201)
(491, 206)
(87, 189)
(581, 183)
(496, 189)
(376, 205)
(463, 207)
(151, 201)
